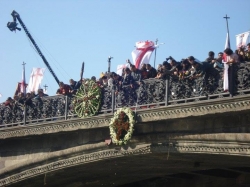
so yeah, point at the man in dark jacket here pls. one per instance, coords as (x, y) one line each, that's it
(127, 78)
(135, 73)
(151, 71)
(74, 86)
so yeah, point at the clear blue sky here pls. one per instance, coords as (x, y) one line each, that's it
(70, 32)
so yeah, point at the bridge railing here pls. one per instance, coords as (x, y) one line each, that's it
(149, 93)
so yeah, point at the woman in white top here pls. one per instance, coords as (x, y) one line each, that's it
(230, 60)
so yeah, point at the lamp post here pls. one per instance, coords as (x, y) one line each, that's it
(109, 63)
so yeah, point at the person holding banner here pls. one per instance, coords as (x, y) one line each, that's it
(241, 54)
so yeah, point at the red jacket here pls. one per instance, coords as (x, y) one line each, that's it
(65, 89)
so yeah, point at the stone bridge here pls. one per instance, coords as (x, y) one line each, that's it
(194, 141)
(206, 141)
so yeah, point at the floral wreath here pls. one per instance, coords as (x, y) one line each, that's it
(122, 126)
(87, 100)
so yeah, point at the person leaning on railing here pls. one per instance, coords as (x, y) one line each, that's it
(175, 66)
(152, 73)
(144, 72)
(199, 69)
(64, 89)
(9, 102)
(127, 78)
(75, 85)
(210, 59)
(247, 53)
(218, 61)
(241, 54)
(116, 81)
(135, 73)
(103, 81)
(159, 71)
(184, 72)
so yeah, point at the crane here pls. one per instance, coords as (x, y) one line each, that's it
(13, 27)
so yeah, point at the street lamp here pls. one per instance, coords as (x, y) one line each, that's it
(109, 62)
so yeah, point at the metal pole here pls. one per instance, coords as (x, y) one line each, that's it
(155, 51)
(231, 79)
(82, 71)
(24, 115)
(109, 63)
(113, 98)
(66, 108)
(166, 91)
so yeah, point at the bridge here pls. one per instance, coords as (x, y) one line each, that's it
(182, 137)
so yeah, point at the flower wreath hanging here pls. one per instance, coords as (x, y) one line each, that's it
(122, 126)
(87, 100)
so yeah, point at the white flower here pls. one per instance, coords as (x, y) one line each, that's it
(128, 136)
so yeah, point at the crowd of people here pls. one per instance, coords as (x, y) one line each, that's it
(189, 68)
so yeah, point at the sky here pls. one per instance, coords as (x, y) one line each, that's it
(71, 32)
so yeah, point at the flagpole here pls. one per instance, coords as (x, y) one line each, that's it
(24, 81)
(24, 93)
(155, 51)
(228, 30)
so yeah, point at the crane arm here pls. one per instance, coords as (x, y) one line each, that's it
(13, 26)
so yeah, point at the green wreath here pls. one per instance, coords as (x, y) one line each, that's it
(122, 126)
(87, 100)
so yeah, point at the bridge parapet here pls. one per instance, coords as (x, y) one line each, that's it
(151, 93)
(215, 130)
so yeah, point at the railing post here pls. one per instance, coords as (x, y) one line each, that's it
(232, 70)
(24, 115)
(113, 98)
(166, 90)
(66, 108)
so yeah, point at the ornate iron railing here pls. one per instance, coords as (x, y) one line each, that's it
(149, 93)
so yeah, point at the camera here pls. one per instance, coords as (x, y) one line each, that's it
(169, 58)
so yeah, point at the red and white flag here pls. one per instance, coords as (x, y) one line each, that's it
(120, 68)
(226, 66)
(242, 39)
(227, 44)
(143, 52)
(35, 79)
(19, 88)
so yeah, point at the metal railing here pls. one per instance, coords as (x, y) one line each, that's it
(150, 93)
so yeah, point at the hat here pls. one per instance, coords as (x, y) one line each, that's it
(102, 75)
